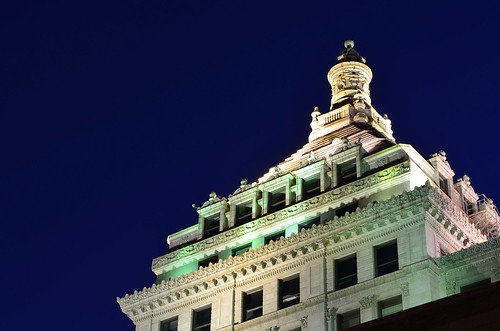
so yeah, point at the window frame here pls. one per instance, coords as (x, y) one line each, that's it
(348, 316)
(274, 237)
(287, 296)
(199, 311)
(386, 264)
(389, 303)
(247, 300)
(169, 321)
(341, 265)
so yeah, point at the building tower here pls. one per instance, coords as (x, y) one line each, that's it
(350, 228)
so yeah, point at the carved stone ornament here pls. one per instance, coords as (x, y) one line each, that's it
(368, 301)
(273, 328)
(331, 312)
(451, 286)
(303, 321)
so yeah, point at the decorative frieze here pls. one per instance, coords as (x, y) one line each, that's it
(318, 201)
(368, 301)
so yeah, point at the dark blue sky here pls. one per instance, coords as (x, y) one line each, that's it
(116, 116)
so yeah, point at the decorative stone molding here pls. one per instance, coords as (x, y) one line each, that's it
(318, 201)
(473, 251)
(451, 287)
(286, 250)
(405, 289)
(273, 328)
(303, 322)
(368, 301)
(330, 312)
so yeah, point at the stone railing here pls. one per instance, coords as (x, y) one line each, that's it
(333, 116)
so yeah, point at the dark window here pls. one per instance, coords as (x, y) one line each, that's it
(309, 223)
(277, 201)
(169, 325)
(312, 187)
(243, 213)
(252, 305)
(289, 292)
(348, 319)
(240, 250)
(347, 171)
(443, 185)
(346, 272)
(386, 259)
(205, 262)
(201, 319)
(274, 237)
(212, 225)
(390, 306)
(351, 208)
(475, 285)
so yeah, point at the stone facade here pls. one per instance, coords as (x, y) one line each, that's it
(349, 228)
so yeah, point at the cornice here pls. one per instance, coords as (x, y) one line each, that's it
(320, 200)
(474, 251)
(392, 215)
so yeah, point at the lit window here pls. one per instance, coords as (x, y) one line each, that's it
(274, 237)
(205, 262)
(289, 292)
(390, 306)
(201, 319)
(308, 224)
(252, 305)
(386, 258)
(346, 272)
(169, 325)
(348, 319)
(241, 250)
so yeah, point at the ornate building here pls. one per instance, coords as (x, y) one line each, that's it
(350, 228)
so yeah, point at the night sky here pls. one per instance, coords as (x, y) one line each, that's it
(116, 116)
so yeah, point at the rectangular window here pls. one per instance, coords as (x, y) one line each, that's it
(240, 250)
(212, 225)
(274, 237)
(351, 208)
(201, 319)
(475, 285)
(252, 305)
(348, 319)
(443, 185)
(243, 213)
(289, 292)
(386, 258)
(309, 223)
(346, 272)
(390, 306)
(205, 262)
(169, 325)
(312, 187)
(347, 171)
(277, 201)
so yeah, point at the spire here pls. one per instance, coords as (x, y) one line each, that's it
(351, 103)
(350, 54)
(350, 76)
